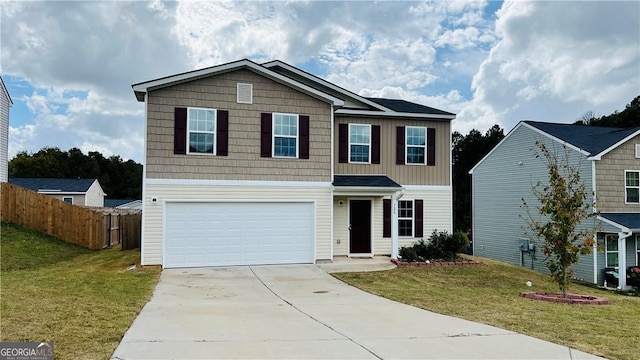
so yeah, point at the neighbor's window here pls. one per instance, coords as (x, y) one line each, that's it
(285, 135)
(68, 199)
(632, 186)
(405, 218)
(359, 143)
(202, 127)
(416, 145)
(611, 246)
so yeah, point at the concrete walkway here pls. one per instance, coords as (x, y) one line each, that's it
(301, 312)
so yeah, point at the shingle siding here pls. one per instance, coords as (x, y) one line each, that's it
(500, 183)
(402, 174)
(610, 178)
(243, 161)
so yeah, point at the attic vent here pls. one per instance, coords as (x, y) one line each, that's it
(637, 151)
(245, 93)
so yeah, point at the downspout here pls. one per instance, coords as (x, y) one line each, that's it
(622, 258)
(394, 223)
(331, 238)
(594, 204)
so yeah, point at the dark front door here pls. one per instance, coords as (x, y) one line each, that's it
(360, 226)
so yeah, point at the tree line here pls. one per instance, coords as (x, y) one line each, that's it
(123, 179)
(119, 179)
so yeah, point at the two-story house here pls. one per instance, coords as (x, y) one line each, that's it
(608, 160)
(249, 163)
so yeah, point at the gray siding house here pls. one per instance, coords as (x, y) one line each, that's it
(82, 192)
(5, 104)
(609, 163)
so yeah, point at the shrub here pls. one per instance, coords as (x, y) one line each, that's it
(441, 246)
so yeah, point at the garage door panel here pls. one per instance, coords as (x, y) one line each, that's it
(218, 234)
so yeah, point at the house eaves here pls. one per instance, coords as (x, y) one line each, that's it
(141, 89)
(522, 123)
(323, 83)
(5, 91)
(355, 112)
(614, 146)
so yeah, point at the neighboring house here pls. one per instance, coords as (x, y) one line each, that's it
(609, 163)
(83, 192)
(5, 104)
(123, 203)
(252, 163)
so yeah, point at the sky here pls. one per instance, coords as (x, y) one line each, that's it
(69, 66)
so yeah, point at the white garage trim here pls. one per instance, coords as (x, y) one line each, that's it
(296, 252)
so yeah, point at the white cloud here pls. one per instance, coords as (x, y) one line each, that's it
(555, 60)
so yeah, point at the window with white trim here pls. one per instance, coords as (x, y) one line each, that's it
(68, 200)
(416, 145)
(285, 135)
(359, 143)
(611, 250)
(201, 130)
(405, 218)
(632, 186)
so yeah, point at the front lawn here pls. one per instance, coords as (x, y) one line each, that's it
(82, 300)
(488, 294)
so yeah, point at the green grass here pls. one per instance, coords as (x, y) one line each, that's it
(82, 300)
(488, 294)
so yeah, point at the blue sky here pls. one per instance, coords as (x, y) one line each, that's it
(69, 66)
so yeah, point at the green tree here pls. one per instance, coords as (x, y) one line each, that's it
(562, 208)
(467, 151)
(629, 117)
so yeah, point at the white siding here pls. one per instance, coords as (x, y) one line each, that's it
(437, 212)
(5, 103)
(95, 195)
(152, 215)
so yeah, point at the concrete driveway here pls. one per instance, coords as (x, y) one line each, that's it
(301, 312)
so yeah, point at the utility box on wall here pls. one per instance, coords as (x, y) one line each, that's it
(525, 245)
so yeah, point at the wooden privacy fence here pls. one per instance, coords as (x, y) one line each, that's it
(90, 228)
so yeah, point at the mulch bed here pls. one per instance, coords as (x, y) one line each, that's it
(435, 263)
(573, 299)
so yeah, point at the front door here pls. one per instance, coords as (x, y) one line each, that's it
(360, 226)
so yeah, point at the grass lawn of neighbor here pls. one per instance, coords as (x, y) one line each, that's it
(82, 300)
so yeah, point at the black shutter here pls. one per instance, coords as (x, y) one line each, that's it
(400, 145)
(343, 143)
(304, 137)
(375, 144)
(222, 133)
(180, 131)
(265, 133)
(386, 218)
(418, 221)
(431, 146)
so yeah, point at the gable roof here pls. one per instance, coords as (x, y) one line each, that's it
(5, 91)
(50, 185)
(140, 89)
(408, 107)
(306, 83)
(592, 139)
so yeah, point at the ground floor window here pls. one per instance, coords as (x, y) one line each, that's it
(405, 218)
(68, 199)
(637, 250)
(611, 250)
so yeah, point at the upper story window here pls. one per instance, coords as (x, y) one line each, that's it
(416, 145)
(285, 135)
(359, 143)
(611, 247)
(201, 125)
(632, 187)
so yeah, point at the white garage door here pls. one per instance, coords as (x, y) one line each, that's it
(238, 233)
